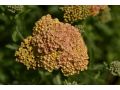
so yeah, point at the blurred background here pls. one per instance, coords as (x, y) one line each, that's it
(101, 34)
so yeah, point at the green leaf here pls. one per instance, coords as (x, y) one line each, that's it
(12, 46)
(14, 36)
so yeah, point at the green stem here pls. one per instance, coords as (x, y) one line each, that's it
(17, 29)
(90, 43)
(20, 35)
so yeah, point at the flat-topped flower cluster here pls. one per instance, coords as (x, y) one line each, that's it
(54, 45)
(73, 13)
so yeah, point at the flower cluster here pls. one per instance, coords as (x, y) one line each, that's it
(54, 45)
(15, 8)
(79, 12)
(115, 68)
(25, 53)
(105, 15)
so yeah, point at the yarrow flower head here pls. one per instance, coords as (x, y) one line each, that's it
(115, 68)
(55, 45)
(105, 15)
(15, 8)
(73, 13)
(25, 53)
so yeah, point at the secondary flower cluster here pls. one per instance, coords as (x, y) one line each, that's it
(25, 53)
(15, 8)
(105, 15)
(115, 68)
(73, 13)
(54, 45)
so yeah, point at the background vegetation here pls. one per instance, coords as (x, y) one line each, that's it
(102, 38)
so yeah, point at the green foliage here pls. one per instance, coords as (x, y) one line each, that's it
(102, 39)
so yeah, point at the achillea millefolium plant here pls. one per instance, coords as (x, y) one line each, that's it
(70, 44)
(15, 8)
(54, 45)
(74, 13)
(115, 68)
